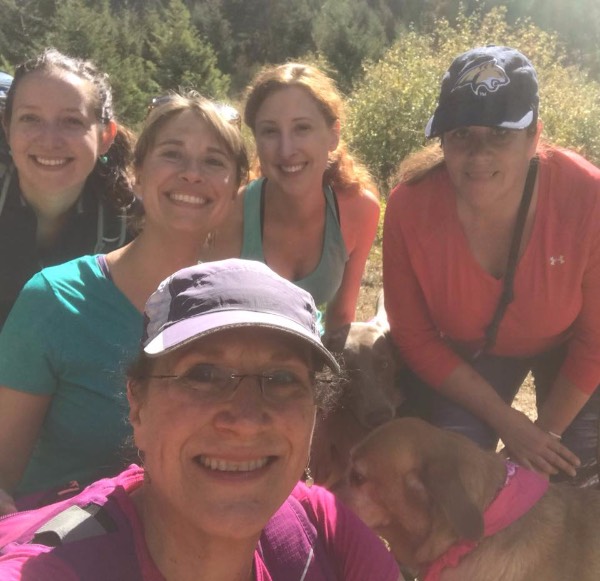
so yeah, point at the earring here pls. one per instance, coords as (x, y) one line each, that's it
(103, 159)
(308, 478)
(140, 456)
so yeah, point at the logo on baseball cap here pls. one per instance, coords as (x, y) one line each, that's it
(491, 86)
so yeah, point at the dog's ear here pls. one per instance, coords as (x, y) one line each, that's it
(443, 482)
(336, 340)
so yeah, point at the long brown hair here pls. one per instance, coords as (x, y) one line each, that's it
(343, 171)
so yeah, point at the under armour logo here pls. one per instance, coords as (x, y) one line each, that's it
(554, 260)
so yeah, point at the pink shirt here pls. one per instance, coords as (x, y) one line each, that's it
(434, 287)
(354, 551)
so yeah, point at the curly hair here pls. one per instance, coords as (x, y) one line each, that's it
(343, 171)
(112, 175)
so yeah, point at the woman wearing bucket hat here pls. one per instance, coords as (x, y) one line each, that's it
(492, 269)
(222, 403)
(62, 404)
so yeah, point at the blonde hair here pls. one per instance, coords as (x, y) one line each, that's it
(173, 104)
(343, 171)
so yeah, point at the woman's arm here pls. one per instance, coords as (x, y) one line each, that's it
(430, 357)
(563, 403)
(21, 418)
(359, 218)
(528, 444)
(579, 375)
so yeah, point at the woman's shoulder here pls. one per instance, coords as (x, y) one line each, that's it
(569, 167)
(357, 203)
(359, 553)
(571, 184)
(74, 274)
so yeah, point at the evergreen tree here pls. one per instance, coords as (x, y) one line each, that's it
(267, 31)
(180, 58)
(23, 30)
(348, 32)
(113, 43)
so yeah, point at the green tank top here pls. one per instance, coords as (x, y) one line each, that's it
(323, 282)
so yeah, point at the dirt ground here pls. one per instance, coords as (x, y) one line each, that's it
(371, 285)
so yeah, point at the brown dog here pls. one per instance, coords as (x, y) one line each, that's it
(439, 500)
(370, 398)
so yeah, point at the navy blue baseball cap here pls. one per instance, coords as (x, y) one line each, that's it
(213, 296)
(491, 86)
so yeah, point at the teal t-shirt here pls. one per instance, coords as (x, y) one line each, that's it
(71, 335)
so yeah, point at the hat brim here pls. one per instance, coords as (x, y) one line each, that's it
(188, 330)
(433, 130)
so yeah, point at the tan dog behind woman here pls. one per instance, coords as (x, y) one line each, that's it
(370, 397)
(458, 513)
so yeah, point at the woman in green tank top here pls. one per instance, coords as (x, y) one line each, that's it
(313, 214)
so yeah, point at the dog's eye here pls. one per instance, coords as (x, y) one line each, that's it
(356, 478)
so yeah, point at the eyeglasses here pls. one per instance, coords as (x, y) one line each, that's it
(212, 384)
(226, 112)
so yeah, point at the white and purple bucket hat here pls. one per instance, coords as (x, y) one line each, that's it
(213, 296)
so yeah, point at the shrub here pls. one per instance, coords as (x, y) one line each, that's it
(392, 104)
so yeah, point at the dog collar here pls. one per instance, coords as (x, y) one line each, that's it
(520, 492)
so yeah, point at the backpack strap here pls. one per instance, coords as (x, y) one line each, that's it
(291, 547)
(94, 539)
(75, 523)
(111, 229)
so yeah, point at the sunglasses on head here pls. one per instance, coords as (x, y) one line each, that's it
(226, 112)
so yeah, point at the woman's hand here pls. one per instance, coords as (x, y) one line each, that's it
(7, 504)
(532, 447)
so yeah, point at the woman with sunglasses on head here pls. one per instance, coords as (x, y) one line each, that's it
(313, 215)
(65, 187)
(62, 405)
(491, 264)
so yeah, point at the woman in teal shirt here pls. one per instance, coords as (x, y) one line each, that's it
(62, 409)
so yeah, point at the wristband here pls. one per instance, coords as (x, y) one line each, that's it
(554, 435)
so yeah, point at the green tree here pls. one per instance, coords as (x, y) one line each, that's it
(113, 43)
(212, 25)
(347, 33)
(180, 58)
(391, 105)
(22, 31)
(266, 31)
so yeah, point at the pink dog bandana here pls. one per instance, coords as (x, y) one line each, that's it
(522, 489)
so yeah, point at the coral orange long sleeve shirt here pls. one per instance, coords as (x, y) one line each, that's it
(435, 289)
